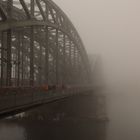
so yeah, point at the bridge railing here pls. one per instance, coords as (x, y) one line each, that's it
(19, 98)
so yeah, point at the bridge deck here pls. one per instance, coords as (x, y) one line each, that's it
(16, 100)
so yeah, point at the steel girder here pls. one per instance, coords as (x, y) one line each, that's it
(39, 45)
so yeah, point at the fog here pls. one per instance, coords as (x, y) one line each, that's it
(111, 29)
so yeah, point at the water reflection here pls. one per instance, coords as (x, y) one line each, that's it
(41, 130)
(71, 119)
(124, 115)
(12, 131)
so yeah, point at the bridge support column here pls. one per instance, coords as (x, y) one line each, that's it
(32, 56)
(9, 41)
(9, 65)
(47, 55)
(64, 59)
(32, 47)
(40, 66)
(2, 58)
(18, 58)
(70, 62)
(22, 58)
(57, 57)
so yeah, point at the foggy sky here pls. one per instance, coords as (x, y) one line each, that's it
(110, 28)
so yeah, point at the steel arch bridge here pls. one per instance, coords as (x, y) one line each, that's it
(39, 46)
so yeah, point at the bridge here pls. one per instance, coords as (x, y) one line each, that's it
(42, 57)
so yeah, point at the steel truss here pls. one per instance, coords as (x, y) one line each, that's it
(39, 45)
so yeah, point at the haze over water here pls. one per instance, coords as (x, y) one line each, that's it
(111, 29)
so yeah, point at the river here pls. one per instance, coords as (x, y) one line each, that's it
(46, 131)
(71, 119)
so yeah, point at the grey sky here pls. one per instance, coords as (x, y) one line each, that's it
(110, 28)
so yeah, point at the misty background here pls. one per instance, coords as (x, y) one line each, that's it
(111, 29)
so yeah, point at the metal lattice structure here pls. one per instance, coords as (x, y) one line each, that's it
(39, 45)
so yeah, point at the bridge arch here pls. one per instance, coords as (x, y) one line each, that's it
(39, 45)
